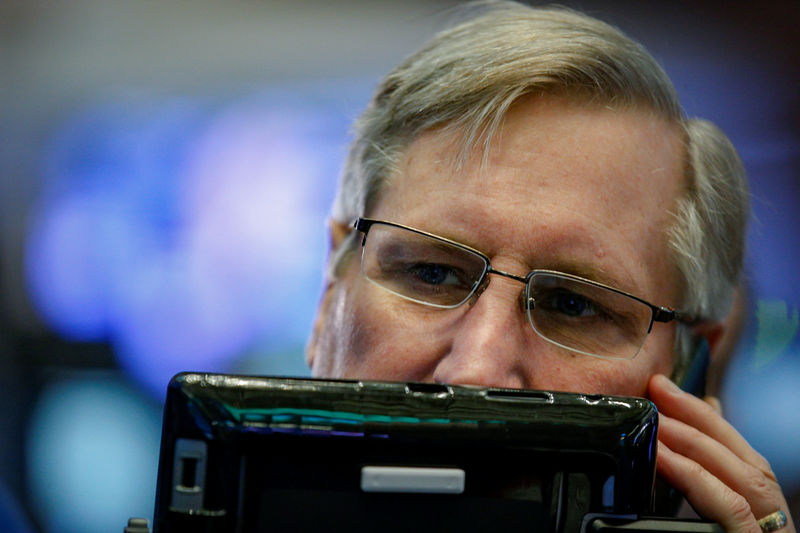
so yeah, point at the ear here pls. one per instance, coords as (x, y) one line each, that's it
(337, 234)
(712, 332)
(722, 339)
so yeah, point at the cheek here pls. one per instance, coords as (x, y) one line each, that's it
(369, 340)
(597, 376)
(372, 334)
(616, 378)
(606, 376)
(351, 336)
(656, 357)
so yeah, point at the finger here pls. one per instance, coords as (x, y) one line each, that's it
(714, 403)
(701, 415)
(697, 413)
(761, 492)
(709, 496)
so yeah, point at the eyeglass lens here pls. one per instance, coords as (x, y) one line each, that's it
(586, 318)
(419, 267)
(566, 311)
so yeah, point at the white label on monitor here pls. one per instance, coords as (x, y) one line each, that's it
(412, 479)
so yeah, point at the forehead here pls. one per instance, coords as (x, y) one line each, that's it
(563, 186)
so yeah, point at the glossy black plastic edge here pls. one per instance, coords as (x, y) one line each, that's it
(199, 406)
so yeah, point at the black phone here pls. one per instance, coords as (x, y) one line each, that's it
(694, 380)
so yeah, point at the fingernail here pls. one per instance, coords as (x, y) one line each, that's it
(714, 402)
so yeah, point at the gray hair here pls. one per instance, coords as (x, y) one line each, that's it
(467, 77)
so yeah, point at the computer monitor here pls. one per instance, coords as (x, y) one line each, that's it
(262, 454)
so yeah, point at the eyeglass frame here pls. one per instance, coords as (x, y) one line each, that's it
(658, 313)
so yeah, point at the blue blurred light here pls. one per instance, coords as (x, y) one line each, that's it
(92, 454)
(761, 401)
(12, 516)
(62, 268)
(104, 207)
(184, 234)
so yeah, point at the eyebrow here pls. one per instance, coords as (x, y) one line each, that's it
(622, 281)
(594, 273)
(583, 269)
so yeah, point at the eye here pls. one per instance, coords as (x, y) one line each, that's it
(568, 303)
(572, 304)
(435, 274)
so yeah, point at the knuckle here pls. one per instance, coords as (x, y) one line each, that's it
(696, 471)
(759, 483)
(764, 467)
(739, 508)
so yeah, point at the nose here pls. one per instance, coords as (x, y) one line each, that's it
(492, 344)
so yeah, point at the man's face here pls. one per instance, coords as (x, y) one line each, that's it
(567, 187)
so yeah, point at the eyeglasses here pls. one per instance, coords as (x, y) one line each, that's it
(577, 314)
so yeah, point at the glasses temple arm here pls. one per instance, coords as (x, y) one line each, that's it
(665, 314)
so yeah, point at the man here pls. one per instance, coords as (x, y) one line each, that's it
(535, 211)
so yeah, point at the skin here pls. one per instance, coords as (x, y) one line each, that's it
(568, 187)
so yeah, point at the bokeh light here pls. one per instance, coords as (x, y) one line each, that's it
(92, 454)
(183, 234)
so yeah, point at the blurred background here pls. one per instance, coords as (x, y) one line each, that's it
(165, 173)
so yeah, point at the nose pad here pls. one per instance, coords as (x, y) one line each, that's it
(482, 287)
(526, 303)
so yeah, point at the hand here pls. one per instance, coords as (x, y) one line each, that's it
(704, 457)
